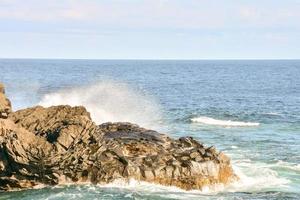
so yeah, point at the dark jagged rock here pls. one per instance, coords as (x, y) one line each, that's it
(22, 154)
(61, 144)
(151, 156)
(62, 126)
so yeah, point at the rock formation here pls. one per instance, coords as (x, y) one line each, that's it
(5, 106)
(62, 144)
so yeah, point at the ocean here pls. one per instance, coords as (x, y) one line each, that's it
(249, 109)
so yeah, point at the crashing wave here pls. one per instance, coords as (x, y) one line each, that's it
(109, 101)
(256, 177)
(217, 122)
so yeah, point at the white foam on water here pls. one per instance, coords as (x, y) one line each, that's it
(256, 177)
(152, 188)
(226, 123)
(286, 165)
(253, 178)
(109, 101)
(129, 187)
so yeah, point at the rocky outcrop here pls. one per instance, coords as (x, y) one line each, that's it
(62, 144)
(21, 157)
(5, 106)
(62, 126)
(134, 152)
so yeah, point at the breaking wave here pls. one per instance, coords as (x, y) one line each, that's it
(256, 177)
(259, 178)
(289, 166)
(253, 177)
(217, 122)
(109, 101)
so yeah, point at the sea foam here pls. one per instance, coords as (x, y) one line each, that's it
(217, 122)
(258, 178)
(109, 101)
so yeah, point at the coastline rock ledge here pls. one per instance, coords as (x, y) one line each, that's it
(61, 144)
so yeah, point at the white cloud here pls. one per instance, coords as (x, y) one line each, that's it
(147, 13)
(160, 14)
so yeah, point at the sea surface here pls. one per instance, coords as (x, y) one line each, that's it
(248, 109)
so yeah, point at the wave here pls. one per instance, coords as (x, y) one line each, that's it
(109, 101)
(132, 189)
(286, 165)
(217, 122)
(253, 177)
(265, 179)
(256, 177)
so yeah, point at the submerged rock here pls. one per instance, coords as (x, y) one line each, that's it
(62, 144)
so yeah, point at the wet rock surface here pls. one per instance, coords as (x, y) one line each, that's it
(62, 144)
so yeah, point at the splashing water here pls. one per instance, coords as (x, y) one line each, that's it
(109, 102)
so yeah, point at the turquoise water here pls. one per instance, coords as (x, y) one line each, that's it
(248, 109)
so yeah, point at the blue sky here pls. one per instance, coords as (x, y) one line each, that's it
(150, 29)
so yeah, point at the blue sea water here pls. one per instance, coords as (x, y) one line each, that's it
(248, 109)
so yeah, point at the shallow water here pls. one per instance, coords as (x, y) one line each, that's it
(248, 109)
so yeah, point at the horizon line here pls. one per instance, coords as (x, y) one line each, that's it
(153, 59)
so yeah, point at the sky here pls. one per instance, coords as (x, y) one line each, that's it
(150, 29)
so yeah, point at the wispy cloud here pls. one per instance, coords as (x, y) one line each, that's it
(201, 24)
(152, 13)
